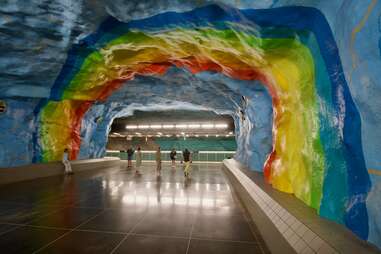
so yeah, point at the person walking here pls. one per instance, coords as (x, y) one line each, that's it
(138, 160)
(186, 158)
(158, 162)
(130, 152)
(172, 155)
(66, 162)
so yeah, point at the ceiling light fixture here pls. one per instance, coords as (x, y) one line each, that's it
(181, 126)
(221, 126)
(193, 126)
(143, 126)
(207, 126)
(155, 126)
(168, 126)
(131, 127)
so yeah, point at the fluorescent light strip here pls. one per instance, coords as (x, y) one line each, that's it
(155, 126)
(194, 126)
(181, 126)
(168, 126)
(131, 127)
(207, 126)
(143, 126)
(221, 126)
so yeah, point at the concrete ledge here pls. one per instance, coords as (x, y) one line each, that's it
(33, 171)
(286, 224)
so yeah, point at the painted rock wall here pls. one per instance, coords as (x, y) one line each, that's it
(68, 69)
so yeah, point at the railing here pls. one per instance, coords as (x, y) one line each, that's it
(202, 156)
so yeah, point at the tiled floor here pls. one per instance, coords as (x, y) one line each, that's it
(116, 211)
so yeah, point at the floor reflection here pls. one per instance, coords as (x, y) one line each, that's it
(116, 210)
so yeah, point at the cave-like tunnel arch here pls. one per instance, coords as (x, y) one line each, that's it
(317, 152)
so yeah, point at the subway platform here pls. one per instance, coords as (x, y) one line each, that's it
(115, 210)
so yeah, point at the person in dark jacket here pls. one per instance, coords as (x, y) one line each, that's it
(130, 153)
(172, 155)
(187, 159)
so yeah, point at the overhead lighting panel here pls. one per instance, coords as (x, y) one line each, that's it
(131, 127)
(207, 126)
(181, 126)
(168, 126)
(143, 126)
(221, 126)
(155, 126)
(194, 126)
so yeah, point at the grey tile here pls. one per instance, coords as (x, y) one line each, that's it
(316, 243)
(173, 224)
(68, 217)
(4, 228)
(153, 245)
(15, 213)
(118, 220)
(223, 227)
(84, 242)
(206, 247)
(27, 239)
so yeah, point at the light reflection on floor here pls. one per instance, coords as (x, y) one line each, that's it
(115, 210)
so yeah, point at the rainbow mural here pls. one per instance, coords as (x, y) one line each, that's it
(317, 153)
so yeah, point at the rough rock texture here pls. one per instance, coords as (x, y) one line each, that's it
(35, 37)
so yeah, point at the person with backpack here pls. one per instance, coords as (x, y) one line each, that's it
(172, 155)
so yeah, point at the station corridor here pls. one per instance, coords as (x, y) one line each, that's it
(116, 211)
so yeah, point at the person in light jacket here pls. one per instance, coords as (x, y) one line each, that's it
(66, 162)
(138, 158)
(187, 161)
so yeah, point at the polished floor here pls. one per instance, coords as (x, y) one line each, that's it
(116, 211)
